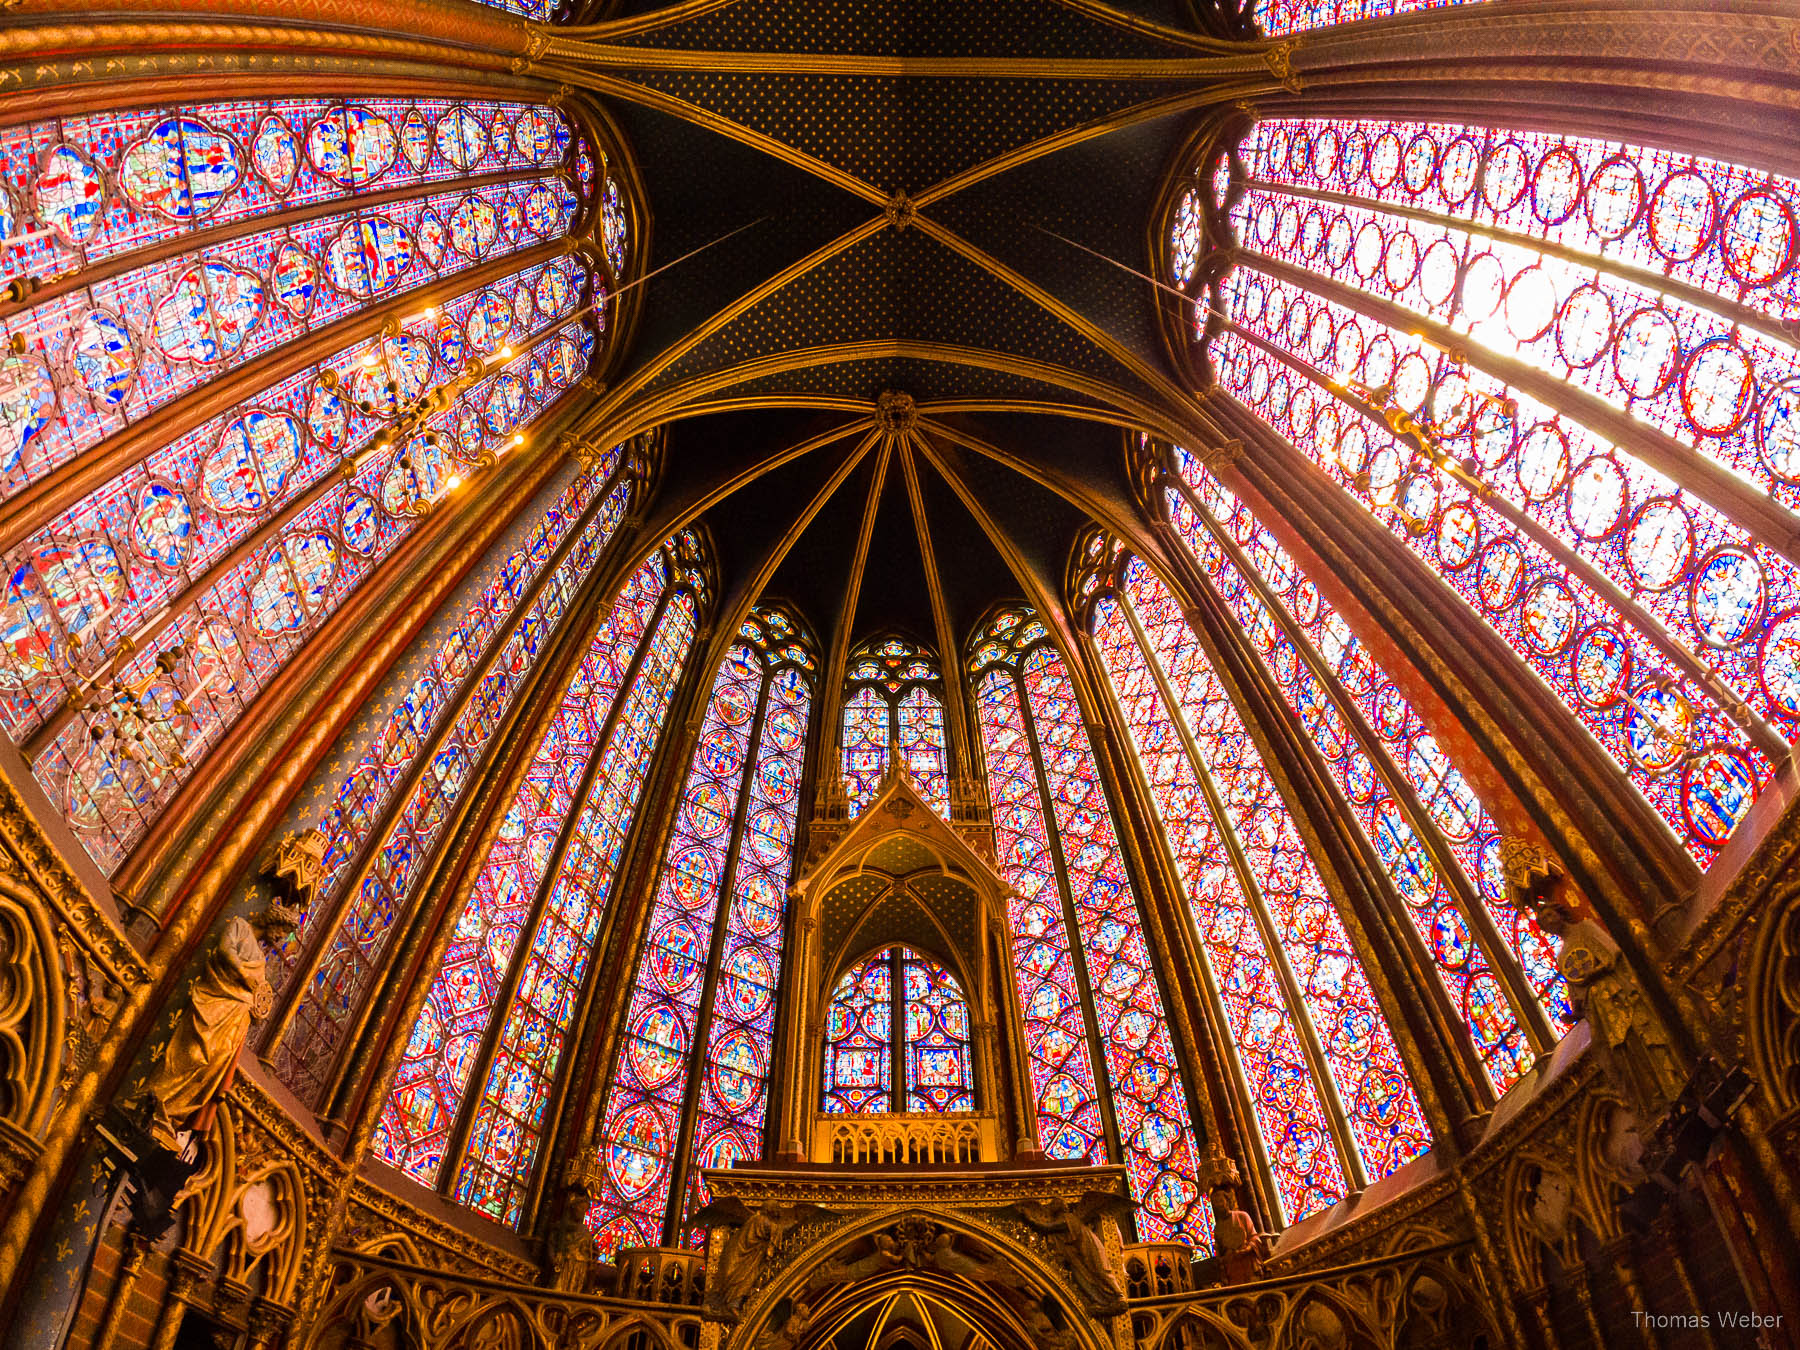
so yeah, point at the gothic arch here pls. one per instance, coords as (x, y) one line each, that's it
(33, 1008)
(1030, 1278)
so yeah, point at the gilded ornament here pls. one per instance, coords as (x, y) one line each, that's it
(900, 211)
(895, 412)
(298, 868)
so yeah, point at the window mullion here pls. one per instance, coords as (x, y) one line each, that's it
(898, 1102)
(1265, 923)
(473, 1090)
(690, 1102)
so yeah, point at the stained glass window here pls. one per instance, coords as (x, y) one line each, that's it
(1464, 968)
(1593, 336)
(221, 550)
(894, 714)
(423, 756)
(859, 1039)
(112, 339)
(1332, 1095)
(544, 887)
(1305, 643)
(940, 1067)
(929, 1058)
(700, 1015)
(1293, 16)
(1058, 850)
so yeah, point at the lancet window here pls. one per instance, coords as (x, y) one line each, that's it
(1558, 369)
(467, 1105)
(1109, 1086)
(274, 333)
(894, 714)
(1435, 840)
(1332, 1096)
(690, 1089)
(897, 1038)
(388, 813)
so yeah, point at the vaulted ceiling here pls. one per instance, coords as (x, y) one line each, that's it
(876, 189)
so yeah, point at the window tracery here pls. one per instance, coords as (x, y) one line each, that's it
(1331, 1093)
(894, 713)
(450, 713)
(898, 1019)
(1604, 368)
(1079, 950)
(174, 246)
(690, 1088)
(499, 1005)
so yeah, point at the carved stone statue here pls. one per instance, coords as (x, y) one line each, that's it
(1633, 1046)
(946, 1256)
(1628, 1035)
(1071, 1232)
(1546, 1203)
(885, 1257)
(792, 1330)
(200, 1060)
(571, 1253)
(1043, 1331)
(1241, 1249)
(744, 1258)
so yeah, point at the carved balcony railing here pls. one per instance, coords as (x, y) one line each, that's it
(673, 1275)
(1156, 1269)
(899, 1140)
(375, 1301)
(1430, 1294)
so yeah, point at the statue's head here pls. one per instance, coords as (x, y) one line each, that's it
(276, 922)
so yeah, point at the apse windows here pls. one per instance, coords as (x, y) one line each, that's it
(690, 1088)
(1087, 991)
(897, 1038)
(504, 995)
(1326, 1080)
(1434, 838)
(894, 715)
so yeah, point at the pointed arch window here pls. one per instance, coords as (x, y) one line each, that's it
(894, 714)
(1435, 839)
(898, 1019)
(501, 1004)
(690, 1089)
(376, 282)
(1087, 990)
(1332, 1097)
(1600, 410)
(388, 813)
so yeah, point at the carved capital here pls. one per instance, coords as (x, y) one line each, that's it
(1531, 873)
(298, 866)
